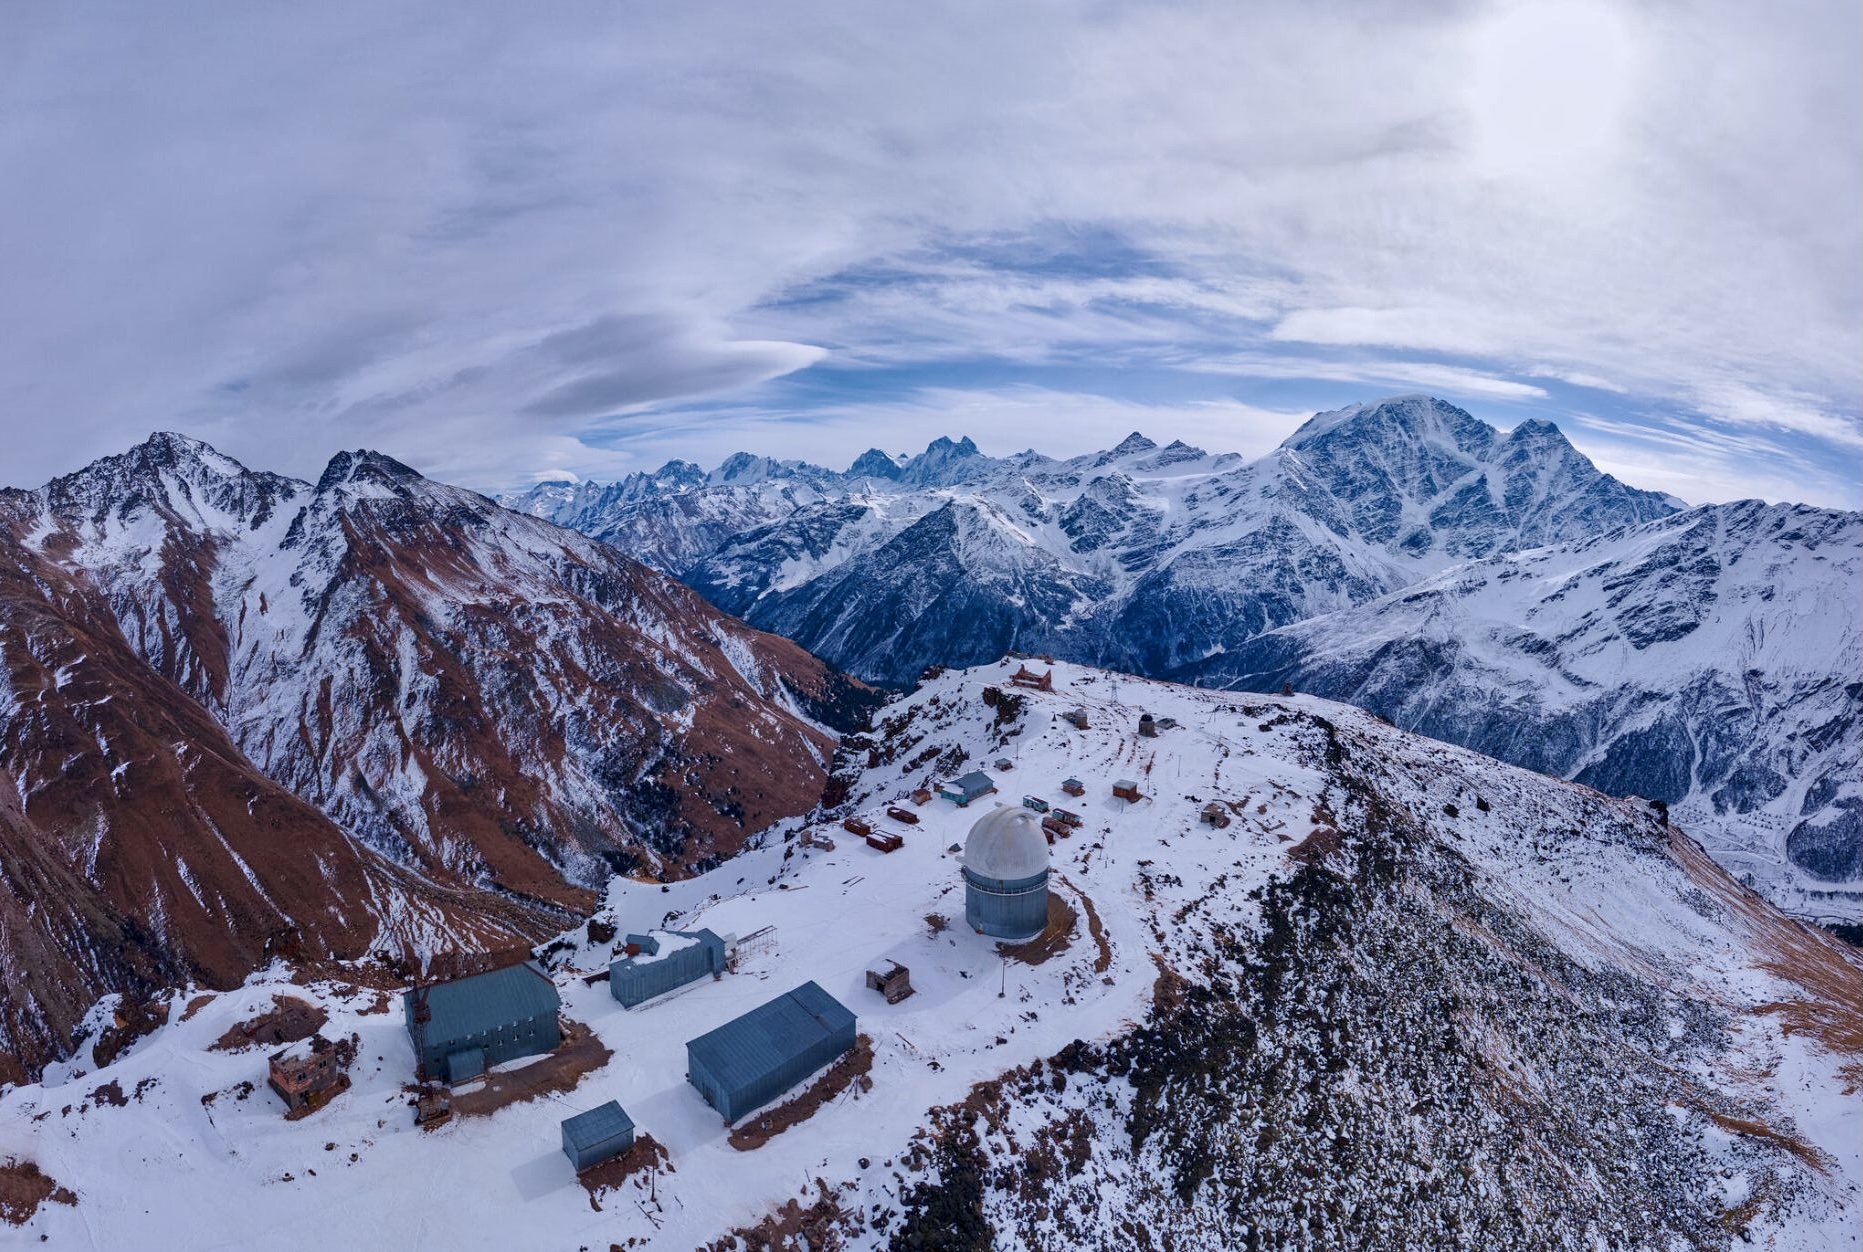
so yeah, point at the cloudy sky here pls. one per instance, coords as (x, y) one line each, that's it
(504, 242)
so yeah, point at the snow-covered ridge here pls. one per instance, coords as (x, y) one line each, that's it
(1406, 996)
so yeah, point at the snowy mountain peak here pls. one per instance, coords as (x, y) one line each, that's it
(171, 447)
(945, 463)
(742, 467)
(366, 469)
(1538, 430)
(678, 471)
(1544, 445)
(162, 452)
(168, 474)
(1412, 420)
(1422, 476)
(1134, 442)
(874, 463)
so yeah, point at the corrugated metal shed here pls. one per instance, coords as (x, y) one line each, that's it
(747, 1062)
(593, 1137)
(638, 979)
(507, 1013)
(968, 787)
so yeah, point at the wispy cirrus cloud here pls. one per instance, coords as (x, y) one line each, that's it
(1428, 375)
(494, 242)
(1678, 456)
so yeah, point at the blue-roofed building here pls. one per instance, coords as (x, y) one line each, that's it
(463, 1027)
(675, 959)
(747, 1062)
(972, 786)
(603, 1132)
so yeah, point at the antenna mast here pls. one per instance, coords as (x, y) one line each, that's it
(421, 1016)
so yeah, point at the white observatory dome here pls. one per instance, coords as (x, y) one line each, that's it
(1006, 844)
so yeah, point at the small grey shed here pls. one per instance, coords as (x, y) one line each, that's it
(603, 1132)
(637, 944)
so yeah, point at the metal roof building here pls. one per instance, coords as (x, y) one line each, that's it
(747, 1062)
(483, 1020)
(593, 1137)
(962, 790)
(1006, 874)
(661, 968)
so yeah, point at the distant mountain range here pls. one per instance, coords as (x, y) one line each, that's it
(243, 714)
(1174, 562)
(1142, 558)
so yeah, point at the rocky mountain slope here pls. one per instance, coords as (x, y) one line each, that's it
(1407, 997)
(1141, 557)
(1710, 660)
(239, 711)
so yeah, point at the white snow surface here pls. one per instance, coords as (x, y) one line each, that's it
(167, 1170)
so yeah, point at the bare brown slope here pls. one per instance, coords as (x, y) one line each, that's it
(139, 848)
(564, 709)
